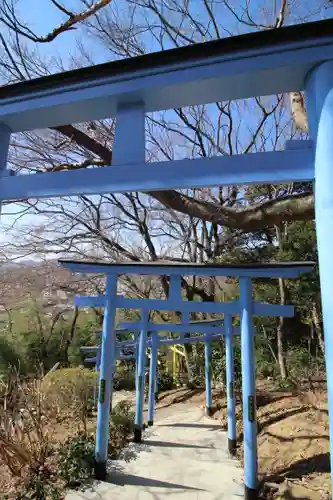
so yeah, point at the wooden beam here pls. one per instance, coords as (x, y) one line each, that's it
(259, 168)
(256, 64)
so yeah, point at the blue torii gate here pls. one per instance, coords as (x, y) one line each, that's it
(154, 341)
(213, 331)
(291, 59)
(245, 307)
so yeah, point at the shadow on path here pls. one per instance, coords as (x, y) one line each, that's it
(177, 399)
(300, 468)
(289, 496)
(121, 479)
(306, 466)
(166, 394)
(192, 426)
(168, 444)
(265, 399)
(294, 438)
(274, 418)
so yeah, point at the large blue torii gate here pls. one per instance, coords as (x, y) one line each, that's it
(212, 330)
(291, 59)
(245, 307)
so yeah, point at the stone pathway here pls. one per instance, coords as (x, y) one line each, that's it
(184, 455)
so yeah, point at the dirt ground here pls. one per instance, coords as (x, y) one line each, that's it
(293, 439)
(293, 442)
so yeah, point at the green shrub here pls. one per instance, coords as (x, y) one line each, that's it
(40, 484)
(218, 366)
(165, 382)
(265, 363)
(299, 361)
(196, 382)
(84, 335)
(219, 363)
(70, 391)
(122, 414)
(302, 366)
(75, 460)
(121, 426)
(10, 357)
(124, 380)
(287, 384)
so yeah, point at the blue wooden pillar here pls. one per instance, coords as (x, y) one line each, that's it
(140, 389)
(108, 352)
(230, 380)
(319, 96)
(152, 378)
(4, 145)
(249, 390)
(208, 378)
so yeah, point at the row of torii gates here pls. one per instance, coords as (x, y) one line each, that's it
(292, 59)
(245, 307)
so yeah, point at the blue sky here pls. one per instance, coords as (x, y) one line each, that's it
(42, 19)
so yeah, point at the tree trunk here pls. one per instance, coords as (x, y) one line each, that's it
(280, 349)
(69, 340)
(280, 335)
(189, 361)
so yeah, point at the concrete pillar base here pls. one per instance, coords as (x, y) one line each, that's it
(100, 471)
(137, 434)
(232, 446)
(250, 494)
(209, 411)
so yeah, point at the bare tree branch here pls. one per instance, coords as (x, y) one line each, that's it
(9, 18)
(266, 214)
(87, 142)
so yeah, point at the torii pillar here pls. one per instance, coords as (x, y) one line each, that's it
(319, 95)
